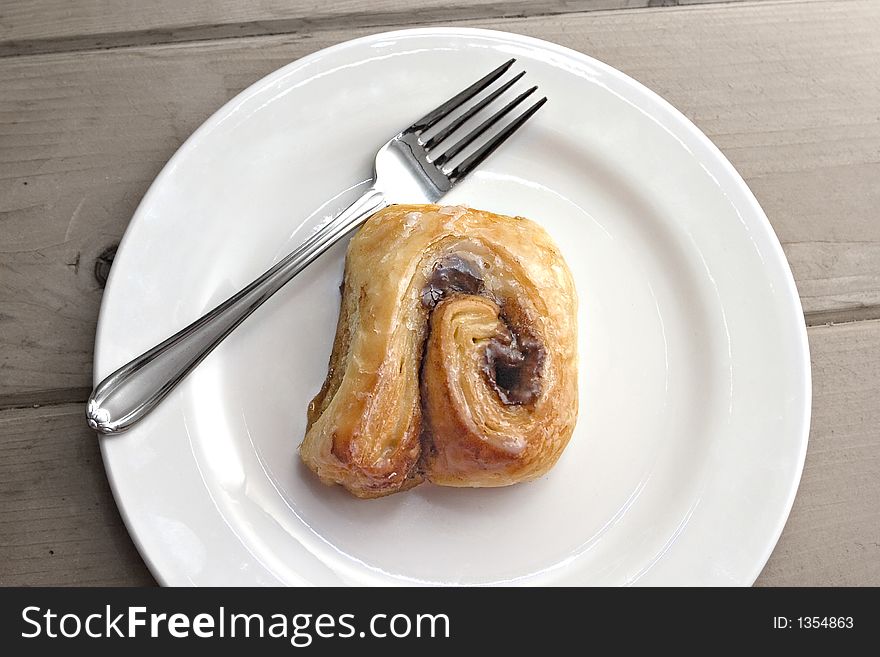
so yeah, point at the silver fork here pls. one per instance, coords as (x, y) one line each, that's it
(410, 168)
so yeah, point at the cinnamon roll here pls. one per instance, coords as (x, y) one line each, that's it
(455, 358)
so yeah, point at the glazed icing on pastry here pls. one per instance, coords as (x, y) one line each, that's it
(455, 355)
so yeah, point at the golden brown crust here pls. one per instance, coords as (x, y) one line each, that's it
(454, 358)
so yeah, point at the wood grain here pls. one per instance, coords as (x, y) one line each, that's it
(58, 523)
(788, 91)
(833, 534)
(40, 26)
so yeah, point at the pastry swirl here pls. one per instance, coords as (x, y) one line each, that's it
(454, 358)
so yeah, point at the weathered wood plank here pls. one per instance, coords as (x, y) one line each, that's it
(40, 26)
(832, 537)
(788, 91)
(789, 94)
(58, 523)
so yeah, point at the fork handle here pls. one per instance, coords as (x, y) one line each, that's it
(133, 390)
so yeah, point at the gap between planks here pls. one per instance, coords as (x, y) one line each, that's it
(390, 17)
(843, 316)
(41, 398)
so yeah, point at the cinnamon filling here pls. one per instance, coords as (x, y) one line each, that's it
(512, 364)
(513, 368)
(452, 273)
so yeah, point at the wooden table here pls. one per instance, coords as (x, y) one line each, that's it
(93, 101)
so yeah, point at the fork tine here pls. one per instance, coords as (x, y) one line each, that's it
(457, 100)
(456, 148)
(457, 123)
(472, 161)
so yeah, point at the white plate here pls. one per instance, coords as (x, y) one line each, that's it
(695, 379)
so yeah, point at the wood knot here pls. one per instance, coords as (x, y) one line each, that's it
(103, 263)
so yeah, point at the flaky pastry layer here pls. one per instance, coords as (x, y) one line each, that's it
(455, 358)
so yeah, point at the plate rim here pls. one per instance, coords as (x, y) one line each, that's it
(734, 177)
